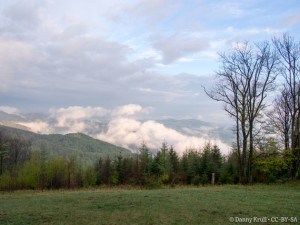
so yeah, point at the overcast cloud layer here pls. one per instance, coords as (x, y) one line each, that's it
(157, 54)
(130, 62)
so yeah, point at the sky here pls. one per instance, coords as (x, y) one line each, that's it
(158, 53)
(154, 54)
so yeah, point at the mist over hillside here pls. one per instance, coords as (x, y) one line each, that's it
(123, 127)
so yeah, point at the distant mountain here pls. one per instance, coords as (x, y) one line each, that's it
(14, 124)
(10, 117)
(7, 117)
(185, 125)
(199, 128)
(189, 127)
(85, 148)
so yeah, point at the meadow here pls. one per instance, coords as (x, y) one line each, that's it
(179, 205)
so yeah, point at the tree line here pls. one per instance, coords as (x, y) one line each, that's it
(22, 168)
(36, 170)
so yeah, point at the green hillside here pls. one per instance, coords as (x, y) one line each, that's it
(85, 148)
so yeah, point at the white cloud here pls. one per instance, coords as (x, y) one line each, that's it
(200, 117)
(76, 119)
(174, 48)
(184, 59)
(73, 117)
(152, 12)
(167, 96)
(123, 129)
(38, 127)
(14, 55)
(127, 110)
(101, 51)
(127, 132)
(10, 110)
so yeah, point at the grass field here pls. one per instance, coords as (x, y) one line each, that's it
(203, 205)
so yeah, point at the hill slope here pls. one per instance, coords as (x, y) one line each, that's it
(85, 148)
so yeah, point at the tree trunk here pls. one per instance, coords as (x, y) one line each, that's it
(251, 148)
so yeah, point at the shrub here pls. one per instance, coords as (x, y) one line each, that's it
(197, 180)
(89, 177)
(204, 179)
(5, 182)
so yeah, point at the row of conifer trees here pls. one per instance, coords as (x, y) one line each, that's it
(36, 170)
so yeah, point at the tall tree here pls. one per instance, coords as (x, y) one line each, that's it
(280, 118)
(289, 51)
(19, 151)
(174, 164)
(262, 72)
(245, 78)
(164, 158)
(216, 161)
(145, 159)
(107, 171)
(71, 172)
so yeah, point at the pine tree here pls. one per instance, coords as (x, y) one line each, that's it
(174, 165)
(216, 162)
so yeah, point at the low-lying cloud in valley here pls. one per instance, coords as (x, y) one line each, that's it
(123, 126)
(127, 132)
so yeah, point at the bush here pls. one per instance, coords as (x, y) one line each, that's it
(152, 182)
(89, 177)
(204, 179)
(5, 182)
(271, 179)
(172, 185)
(197, 180)
(163, 179)
(116, 178)
(225, 178)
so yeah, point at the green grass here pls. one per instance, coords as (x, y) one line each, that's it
(203, 205)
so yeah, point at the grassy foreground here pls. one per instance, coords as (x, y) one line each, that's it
(203, 205)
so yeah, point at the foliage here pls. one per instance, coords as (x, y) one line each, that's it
(25, 169)
(89, 177)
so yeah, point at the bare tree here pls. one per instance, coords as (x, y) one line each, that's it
(262, 69)
(19, 151)
(289, 51)
(245, 78)
(280, 117)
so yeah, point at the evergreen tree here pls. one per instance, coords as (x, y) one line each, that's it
(174, 165)
(216, 162)
(206, 164)
(145, 160)
(164, 158)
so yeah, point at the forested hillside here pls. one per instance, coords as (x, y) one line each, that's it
(86, 148)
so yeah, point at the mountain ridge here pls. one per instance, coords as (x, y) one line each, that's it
(80, 145)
